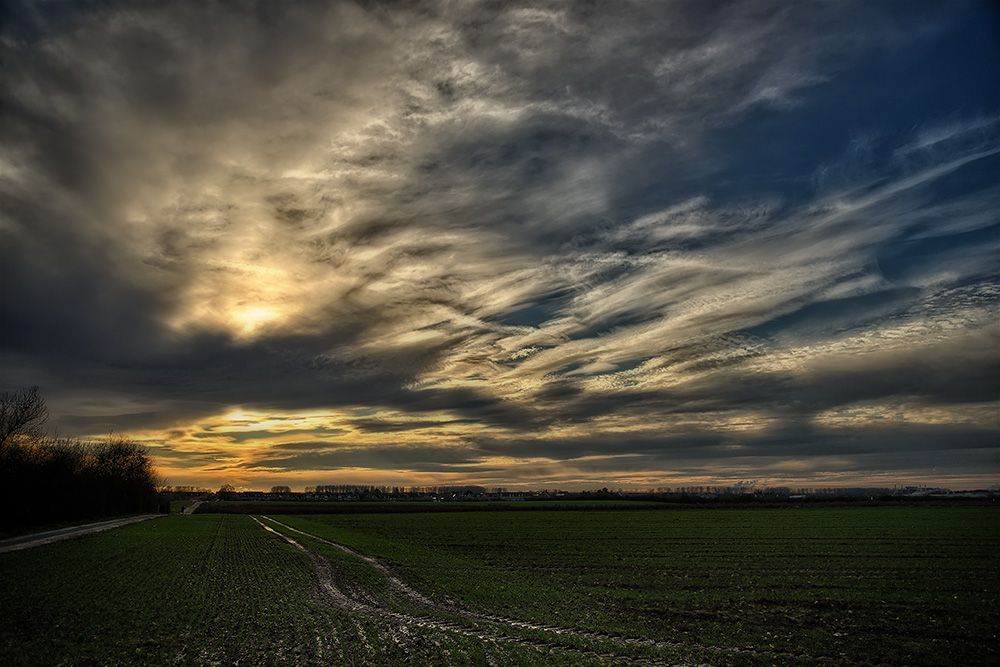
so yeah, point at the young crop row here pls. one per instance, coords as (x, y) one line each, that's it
(374, 591)
(210, 590)
(877, 585)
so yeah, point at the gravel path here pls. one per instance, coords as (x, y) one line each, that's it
(38, 539)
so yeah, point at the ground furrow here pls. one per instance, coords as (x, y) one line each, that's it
(402, 587)
(346, 603)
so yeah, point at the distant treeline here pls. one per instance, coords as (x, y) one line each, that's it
(382, 490)
(563, 505)
(45, 480)
(419, 507)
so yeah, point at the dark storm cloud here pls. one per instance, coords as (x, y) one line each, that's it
(527, 218)
(792, 441)
(386, 457)
(383, 426)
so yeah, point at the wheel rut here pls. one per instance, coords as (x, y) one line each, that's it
(499, 628)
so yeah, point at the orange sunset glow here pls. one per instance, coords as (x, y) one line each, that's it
(522, 246)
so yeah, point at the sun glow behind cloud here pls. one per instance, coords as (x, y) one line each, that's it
(507, 245)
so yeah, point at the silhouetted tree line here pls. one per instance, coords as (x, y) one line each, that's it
(380, 490)
(355, 489)
(45, 480)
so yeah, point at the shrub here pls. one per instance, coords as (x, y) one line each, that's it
(44, 480)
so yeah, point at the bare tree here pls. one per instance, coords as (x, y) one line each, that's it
(22, 414)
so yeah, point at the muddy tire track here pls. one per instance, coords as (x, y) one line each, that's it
(343, 601)
(339, 599)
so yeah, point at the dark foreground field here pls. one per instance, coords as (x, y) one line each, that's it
(893, 586)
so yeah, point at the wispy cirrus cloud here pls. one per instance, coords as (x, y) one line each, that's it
(476, 223)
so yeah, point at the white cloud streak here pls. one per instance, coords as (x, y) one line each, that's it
(431, 199)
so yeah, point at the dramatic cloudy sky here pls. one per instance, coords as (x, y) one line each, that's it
(541, 244)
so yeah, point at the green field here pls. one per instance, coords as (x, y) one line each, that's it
(179, 505)
(199, 590)
(889, 585)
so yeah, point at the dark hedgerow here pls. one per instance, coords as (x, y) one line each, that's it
(45, 480)
(52, 481)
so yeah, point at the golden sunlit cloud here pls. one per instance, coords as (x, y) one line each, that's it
(250, 319)
(478, 242)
